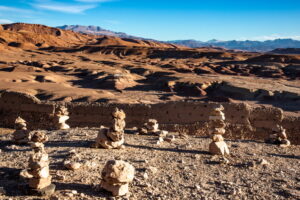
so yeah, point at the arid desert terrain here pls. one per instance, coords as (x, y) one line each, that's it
(42, 67)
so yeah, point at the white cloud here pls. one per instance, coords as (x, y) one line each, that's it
(5, 21)
(66, 8)
(13, 9)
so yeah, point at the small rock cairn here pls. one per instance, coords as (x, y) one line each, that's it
(38, 168)
(116, 176)
(38, 137)
(112, 138)
(152, 127)
(216, 130)
(21, 134)
(279, 137)
(60, 118)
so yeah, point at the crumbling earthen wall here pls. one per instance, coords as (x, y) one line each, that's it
(244, 121)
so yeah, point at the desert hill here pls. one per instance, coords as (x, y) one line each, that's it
(286, 51)
(34, 36)
(62, 65)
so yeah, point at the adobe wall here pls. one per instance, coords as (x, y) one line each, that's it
(244, 122)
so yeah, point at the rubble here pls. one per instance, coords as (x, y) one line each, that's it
(112, 138)
(216, 130)
(21, 134)
(60, 118)
(116, 176)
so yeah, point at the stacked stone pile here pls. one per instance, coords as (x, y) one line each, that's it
(21, 134)
(116, 176)
(38, 137)
(61, 115)
(216, 131)
(112, 138)
(39, 178)
(150, 127)
(279, 137)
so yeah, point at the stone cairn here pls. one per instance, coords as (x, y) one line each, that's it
(60, 118)
(21, 134)
(73, 161)
(112, 138)
(152, 127)
(38, 170)
(116, 176)
(279, 137)
(38, 137)
(216, 130)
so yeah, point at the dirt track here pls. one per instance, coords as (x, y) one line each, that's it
(179, 170)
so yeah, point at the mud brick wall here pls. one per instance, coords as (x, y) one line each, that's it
(243, 121)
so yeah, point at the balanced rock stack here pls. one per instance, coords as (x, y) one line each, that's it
(119, 123)
(21, 134)
(38, 137)
(279, 137)
(39, 176)
(217, 129)
(112, 138)
(150, 127)
(60, 118)
(116, 176)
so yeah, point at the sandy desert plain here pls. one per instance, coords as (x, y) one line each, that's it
(42, 67)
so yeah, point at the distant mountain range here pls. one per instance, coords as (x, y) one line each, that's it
(96, 30)
(247, 45)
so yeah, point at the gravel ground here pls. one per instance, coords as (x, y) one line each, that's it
(182, 169)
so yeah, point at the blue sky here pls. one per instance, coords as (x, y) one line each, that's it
(166, 20)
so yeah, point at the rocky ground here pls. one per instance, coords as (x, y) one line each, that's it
(182, 169)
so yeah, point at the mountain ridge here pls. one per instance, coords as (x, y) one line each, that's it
(247, 45)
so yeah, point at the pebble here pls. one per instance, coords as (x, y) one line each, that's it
(263, 162)
(154, 170)
(145, 175)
